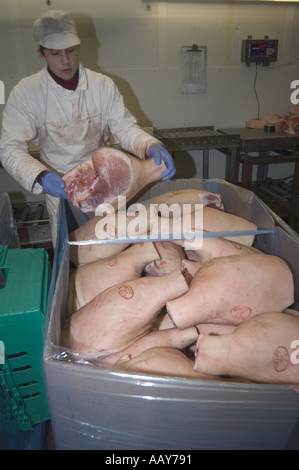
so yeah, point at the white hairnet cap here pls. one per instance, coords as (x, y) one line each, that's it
(55, 29)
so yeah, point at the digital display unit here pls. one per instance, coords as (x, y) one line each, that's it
(262, 51)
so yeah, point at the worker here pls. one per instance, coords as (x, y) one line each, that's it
(67, 110)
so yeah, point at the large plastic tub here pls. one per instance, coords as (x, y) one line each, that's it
(103, 408)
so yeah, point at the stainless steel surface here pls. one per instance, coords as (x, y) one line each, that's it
(285, 148)
(202, 138)
(195, 138)
(32, 221)
(257, 140)
(271, 192)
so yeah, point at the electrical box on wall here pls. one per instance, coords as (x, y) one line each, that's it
(261, 51)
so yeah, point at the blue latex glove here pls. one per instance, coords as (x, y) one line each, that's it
(54, 185)
(158, 152)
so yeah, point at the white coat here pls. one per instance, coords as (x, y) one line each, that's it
(67, 125)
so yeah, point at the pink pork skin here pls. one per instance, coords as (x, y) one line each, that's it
(121, 315)
(187, 196)
(217, 247)
(170, 362)
(213, 221)
(172, 337)
(171, 256)
(164, 361)
(229, 290)
(92, 278)
(81, 254)
(259, 350)
(108, 174)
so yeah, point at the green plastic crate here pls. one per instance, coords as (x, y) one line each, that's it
(24, 281)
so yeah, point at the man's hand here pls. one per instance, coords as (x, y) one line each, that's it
(158, 153)
(54, 185)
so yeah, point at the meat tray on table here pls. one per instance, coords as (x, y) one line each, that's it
(105, 408)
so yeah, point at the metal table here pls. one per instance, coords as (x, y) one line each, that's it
(202, 138)
(285, 147)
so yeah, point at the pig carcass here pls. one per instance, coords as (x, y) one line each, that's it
(164, 322)
(260, 349)
(212, 220)
(216, 247)
(214, 329)
(81, 254)
(109, 173)
(164, 361)
(171, 256)
(262, 122)
(115, 225)
(90, 279)
(187, 196)
(229, 290)
(169, 362)
(172, 338)
(120, 315)
(217, 221)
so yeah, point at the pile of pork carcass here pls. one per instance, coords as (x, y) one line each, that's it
(174, 308)
(288, 124)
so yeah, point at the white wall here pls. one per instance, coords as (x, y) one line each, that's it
(141, 51)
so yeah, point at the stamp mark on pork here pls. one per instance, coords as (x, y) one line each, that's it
(110, 229)
(112, 261)
(281, 359)
(241, 313)
(236, 245)
(126, 291)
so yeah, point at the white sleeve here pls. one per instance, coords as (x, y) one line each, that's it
(124, 126)
(18, 128)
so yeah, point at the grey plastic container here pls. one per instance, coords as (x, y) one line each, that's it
(8, 230)
(104, 408)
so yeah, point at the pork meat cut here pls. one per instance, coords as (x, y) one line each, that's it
(109, 173)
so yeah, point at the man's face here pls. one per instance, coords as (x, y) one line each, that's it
(62, 62)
